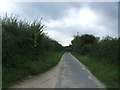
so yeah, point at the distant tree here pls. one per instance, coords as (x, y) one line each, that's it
(88, 39)
(82, 43)
(107, 49)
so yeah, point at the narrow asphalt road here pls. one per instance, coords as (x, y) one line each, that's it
(73, 74)
(69, 73)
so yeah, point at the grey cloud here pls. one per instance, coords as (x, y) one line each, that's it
(46, 10)
(107, 12)
(107, 9)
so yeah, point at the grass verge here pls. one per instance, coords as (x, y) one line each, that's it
(106, 73)
(31, 66)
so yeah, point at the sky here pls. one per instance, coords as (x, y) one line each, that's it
(64, 20)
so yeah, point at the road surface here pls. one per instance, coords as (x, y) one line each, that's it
(69, 73)
(73, 74)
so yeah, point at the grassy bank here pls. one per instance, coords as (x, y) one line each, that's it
(106, 73)
(31, 66)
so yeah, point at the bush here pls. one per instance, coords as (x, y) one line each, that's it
(21, 38)
(106, 49)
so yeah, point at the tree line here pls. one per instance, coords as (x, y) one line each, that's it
(106, 49)
(21, 38)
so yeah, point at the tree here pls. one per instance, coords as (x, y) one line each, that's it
(82, 43)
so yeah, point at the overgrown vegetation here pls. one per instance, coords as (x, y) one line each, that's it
(106, 49)
(33, 66)
(106, 73)
(101, 56)
(26, 49)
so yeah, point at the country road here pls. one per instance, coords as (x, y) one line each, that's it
(69, 73)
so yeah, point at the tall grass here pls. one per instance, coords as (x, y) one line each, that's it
(26, 49)
(106, 73)
(30, 67)
(21, 38)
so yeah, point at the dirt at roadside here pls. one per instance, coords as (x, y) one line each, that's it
(45, 80)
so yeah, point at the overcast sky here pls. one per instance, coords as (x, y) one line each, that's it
(64, 19)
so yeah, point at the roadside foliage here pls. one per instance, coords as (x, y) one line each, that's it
(106, 49)
(26, 49)
(100, 56)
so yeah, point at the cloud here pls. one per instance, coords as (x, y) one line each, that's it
(82, 20)
(61, 37)
(65, 19)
